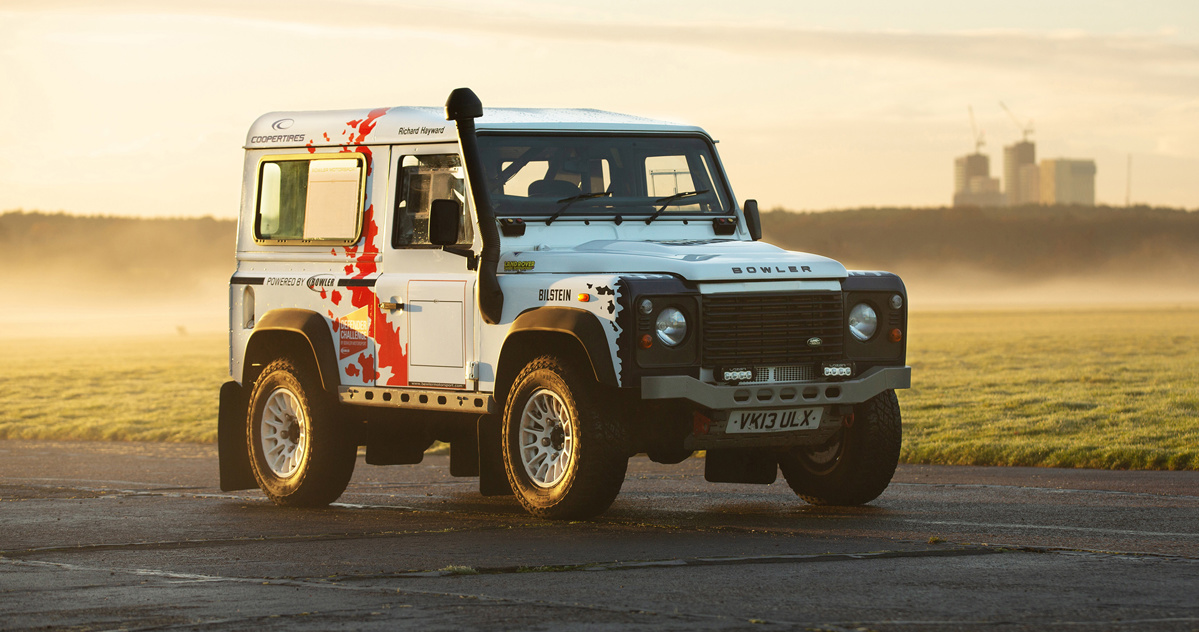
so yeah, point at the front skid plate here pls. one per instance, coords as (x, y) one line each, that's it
(779, 394)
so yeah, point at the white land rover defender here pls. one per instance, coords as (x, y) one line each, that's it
(550, 292)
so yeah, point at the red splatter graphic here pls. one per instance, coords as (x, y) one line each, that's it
(368, 123)
(311, 147)
(368, 367)
(391, 352)
(362, 264)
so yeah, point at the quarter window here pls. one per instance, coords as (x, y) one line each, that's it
(310, 199)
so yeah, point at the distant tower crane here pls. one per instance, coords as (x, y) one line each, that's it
(1025, 128)
(979, 141)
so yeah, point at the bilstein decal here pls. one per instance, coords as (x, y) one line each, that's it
(554, 294)
(352, 332)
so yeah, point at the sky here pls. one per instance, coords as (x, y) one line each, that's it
(140, 107)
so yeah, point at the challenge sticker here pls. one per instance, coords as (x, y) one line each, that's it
(352, 331)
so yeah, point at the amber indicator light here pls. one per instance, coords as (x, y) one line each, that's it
(896, 335)
(584, 298)
(646, 341)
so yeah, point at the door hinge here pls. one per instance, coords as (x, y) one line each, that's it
(472, 370)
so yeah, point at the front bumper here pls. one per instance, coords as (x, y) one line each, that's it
(748, 396)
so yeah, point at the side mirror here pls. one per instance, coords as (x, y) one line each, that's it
(753, 221)
(445, 218)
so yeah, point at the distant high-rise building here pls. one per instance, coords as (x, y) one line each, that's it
(972, 182)
(1067, 181)
(1016, 157)
(1030, 184)
(969, 166)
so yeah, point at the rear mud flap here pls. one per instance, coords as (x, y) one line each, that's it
(231, 439)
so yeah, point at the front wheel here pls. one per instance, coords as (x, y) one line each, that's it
(299, 455)
(563, 449)
(855, 465)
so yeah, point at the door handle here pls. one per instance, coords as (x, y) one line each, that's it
(391, 306)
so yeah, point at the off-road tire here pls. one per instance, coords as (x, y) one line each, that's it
(599, 457)
(860, 467)
(321, 474)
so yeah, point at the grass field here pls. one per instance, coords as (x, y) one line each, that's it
(1104, 389)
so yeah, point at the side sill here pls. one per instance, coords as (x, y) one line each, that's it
(419, 399)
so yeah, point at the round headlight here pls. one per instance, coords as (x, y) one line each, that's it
(863, 321)
(671, 327)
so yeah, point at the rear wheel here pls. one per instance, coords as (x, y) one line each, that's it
(855, 465)
(563, 450)
(299, 455)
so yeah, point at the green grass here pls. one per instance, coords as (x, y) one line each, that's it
(133, 389)
(1105, 389)
(1099, 388)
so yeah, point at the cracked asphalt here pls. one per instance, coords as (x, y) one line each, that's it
(105, 536)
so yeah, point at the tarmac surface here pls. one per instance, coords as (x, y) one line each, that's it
(102, 536)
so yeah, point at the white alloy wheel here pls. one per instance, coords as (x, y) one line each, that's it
(546, 438)
(284, 433)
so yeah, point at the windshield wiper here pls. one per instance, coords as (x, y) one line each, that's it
(572, 200)
(671, 198)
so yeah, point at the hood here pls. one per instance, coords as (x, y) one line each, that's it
(699, 260)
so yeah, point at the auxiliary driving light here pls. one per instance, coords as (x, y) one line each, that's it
(837, 369)
(737, 375)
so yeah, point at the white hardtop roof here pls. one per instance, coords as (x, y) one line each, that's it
(403, 125)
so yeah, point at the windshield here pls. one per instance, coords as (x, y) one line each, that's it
(589, 175)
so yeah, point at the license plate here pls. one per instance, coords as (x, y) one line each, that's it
(780, 420)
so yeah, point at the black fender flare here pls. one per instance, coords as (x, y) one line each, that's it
(307, 324)
(579, 324)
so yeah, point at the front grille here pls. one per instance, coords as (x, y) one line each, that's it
(800, 373)
(771, 329)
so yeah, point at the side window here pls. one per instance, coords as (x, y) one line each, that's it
(423, 179)
(309, 198)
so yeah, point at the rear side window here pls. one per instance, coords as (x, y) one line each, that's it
(310, 198)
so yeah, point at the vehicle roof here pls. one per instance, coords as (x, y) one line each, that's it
(403, 125)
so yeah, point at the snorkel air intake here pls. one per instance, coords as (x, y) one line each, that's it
(463, 107)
